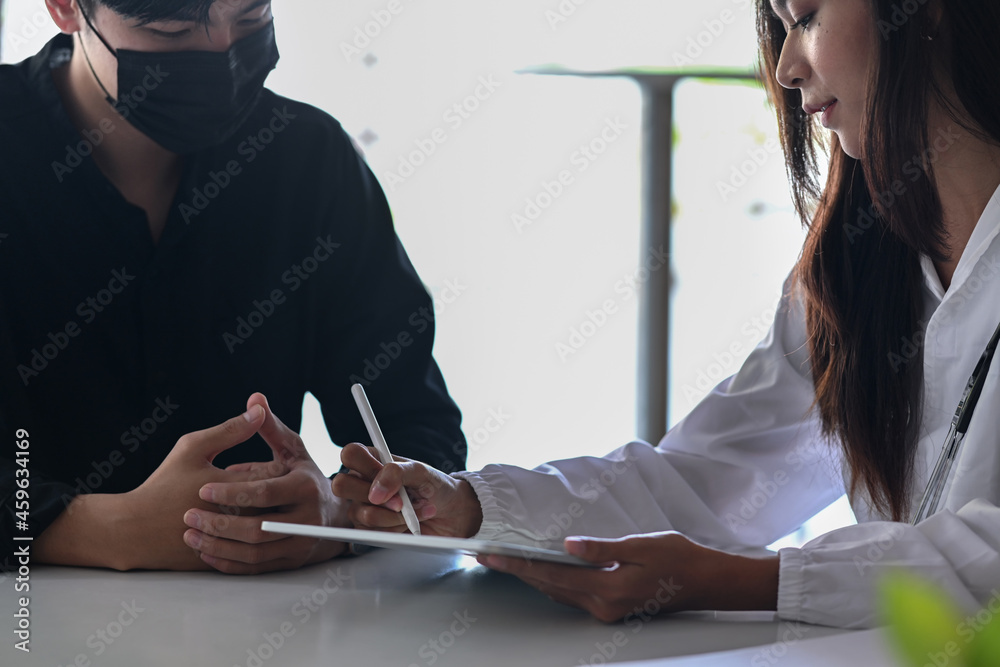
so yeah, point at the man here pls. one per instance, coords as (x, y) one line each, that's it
(174, 238)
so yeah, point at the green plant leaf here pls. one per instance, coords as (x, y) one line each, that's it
(923, 622)
(984, 648)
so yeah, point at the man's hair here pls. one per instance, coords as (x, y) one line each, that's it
(151, 11)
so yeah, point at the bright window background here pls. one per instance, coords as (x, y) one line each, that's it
(393, 79)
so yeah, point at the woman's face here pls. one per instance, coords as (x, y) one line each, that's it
(827, 55)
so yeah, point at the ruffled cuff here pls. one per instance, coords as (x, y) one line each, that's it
(492, 526)
(791, 584)
(504, 517)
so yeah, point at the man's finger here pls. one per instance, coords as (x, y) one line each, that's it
(272, 492)
(213, 441)
(247, 474)
(264, 469)
(252, 554)
(237, 528)
(284, 442)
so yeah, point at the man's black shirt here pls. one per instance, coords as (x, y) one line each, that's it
(278, 271)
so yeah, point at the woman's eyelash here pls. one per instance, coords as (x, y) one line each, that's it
(802, 22)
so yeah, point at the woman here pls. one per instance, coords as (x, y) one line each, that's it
(881, 324)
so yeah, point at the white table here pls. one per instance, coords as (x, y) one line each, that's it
(386, 608)
(869, 648)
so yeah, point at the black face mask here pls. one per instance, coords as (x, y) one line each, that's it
(187, 101)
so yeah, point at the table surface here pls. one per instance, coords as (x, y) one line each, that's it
(870, 648)
(385, 608)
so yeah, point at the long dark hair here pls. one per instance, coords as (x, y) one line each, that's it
(860, 266)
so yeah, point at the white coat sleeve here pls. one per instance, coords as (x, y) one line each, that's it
(746, 467)
(833, 579)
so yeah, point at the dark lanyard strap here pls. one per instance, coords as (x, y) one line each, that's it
(976, 382)
(956, 434)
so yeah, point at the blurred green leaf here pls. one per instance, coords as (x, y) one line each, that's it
(984, 649)
(923, 622)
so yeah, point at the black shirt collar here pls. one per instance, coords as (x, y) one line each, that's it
(56, 53)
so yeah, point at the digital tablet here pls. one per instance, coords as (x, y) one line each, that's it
(427, 543)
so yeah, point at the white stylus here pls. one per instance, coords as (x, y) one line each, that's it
(368, 415)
